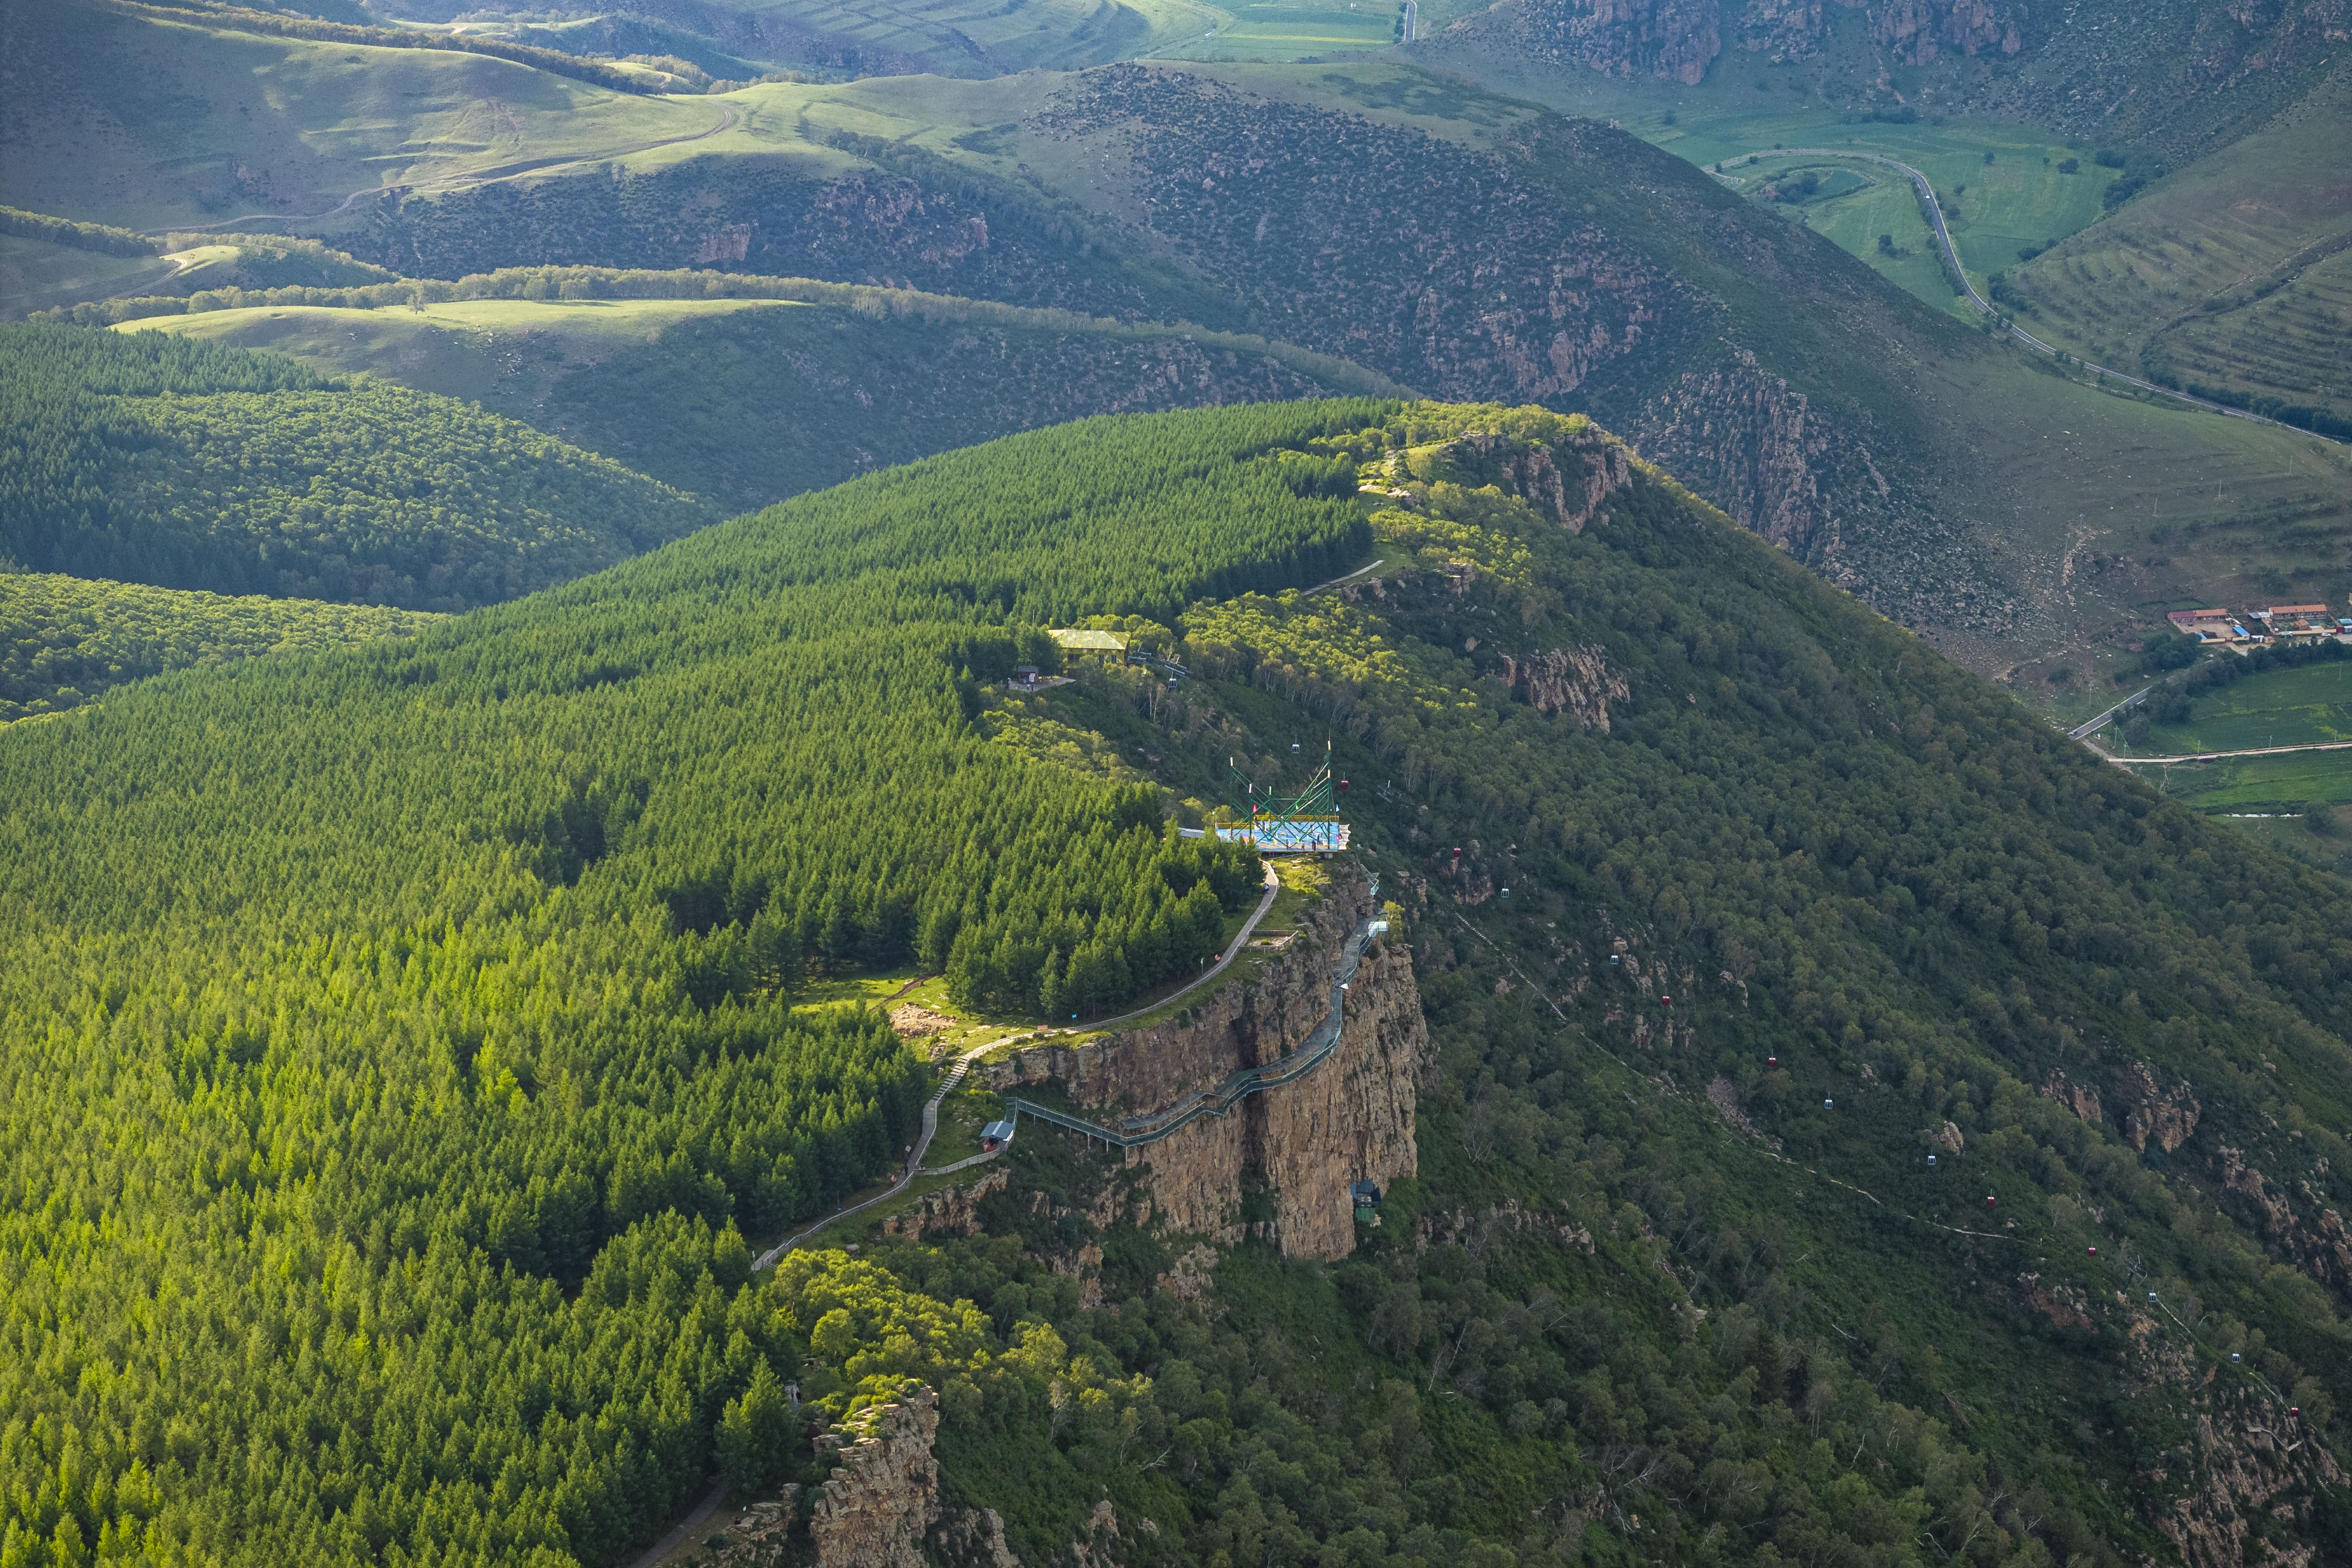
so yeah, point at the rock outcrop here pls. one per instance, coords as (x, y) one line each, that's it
(1673, 39)
(950, 1211)
(1350, 1118)
(1578, 681)
(2079, 1098)
(885, 1494)
(2164, 1117)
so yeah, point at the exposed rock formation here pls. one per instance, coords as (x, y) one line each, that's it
(1678, 39)
(973, 1538)
(2165, 1116)
(1916, 31)
(885, 1494)
(1675, 39)
(1529, 470)
(2078, 1098)
(950, 1211)
(1350, 1119)
(2321, 1244)
(1574, 681)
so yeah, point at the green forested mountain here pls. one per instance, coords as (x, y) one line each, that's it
(399, 1052)
(190, 466)
(64, 639)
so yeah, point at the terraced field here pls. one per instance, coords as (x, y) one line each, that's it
(984, 37)
(1287, 30)
(2234, 272)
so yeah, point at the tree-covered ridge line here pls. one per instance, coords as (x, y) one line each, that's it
(104, 238)
(1897, 916)
(544, 283)
(187, 465)
(66, 640)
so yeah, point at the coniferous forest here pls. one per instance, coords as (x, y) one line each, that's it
(187, 465)
(401, 1061)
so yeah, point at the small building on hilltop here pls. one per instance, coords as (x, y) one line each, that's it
(1105, 645)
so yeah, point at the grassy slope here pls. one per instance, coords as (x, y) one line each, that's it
(1289, 30)
(36, 275)
(66, 640)
(981, 38)
(2232, 270)
(746, 402)
(154, 125)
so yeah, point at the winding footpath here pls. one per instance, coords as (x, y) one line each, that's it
(1233, 951)
(1952, 259)
(914, 1162)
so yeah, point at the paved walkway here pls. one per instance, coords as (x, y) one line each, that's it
(914, 1163)
(963, 1065)
(1233, 951)
(683, 1533)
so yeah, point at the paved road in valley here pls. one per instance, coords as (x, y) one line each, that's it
(2218, 755)
(1952, 258)
(2080, 730)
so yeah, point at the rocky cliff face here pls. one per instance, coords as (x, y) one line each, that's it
(1675, 39)
(1350, 1118)
(1579, 682)
(885, 1494)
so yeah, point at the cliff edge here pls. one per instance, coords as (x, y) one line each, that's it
(1350, 1118)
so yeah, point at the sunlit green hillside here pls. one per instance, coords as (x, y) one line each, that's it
(461, 968)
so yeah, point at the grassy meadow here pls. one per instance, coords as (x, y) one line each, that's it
(206, 125)
(2306, 706)
(1290, 30)
(1041, 35)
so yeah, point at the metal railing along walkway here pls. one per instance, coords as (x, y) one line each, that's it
(1133, 1132)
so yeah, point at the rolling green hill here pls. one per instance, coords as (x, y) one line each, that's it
(744, 401)
(66, 640)
(262, 916)
(182, 463)
(155, 123)
(1885, 446)
(2032, 524)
